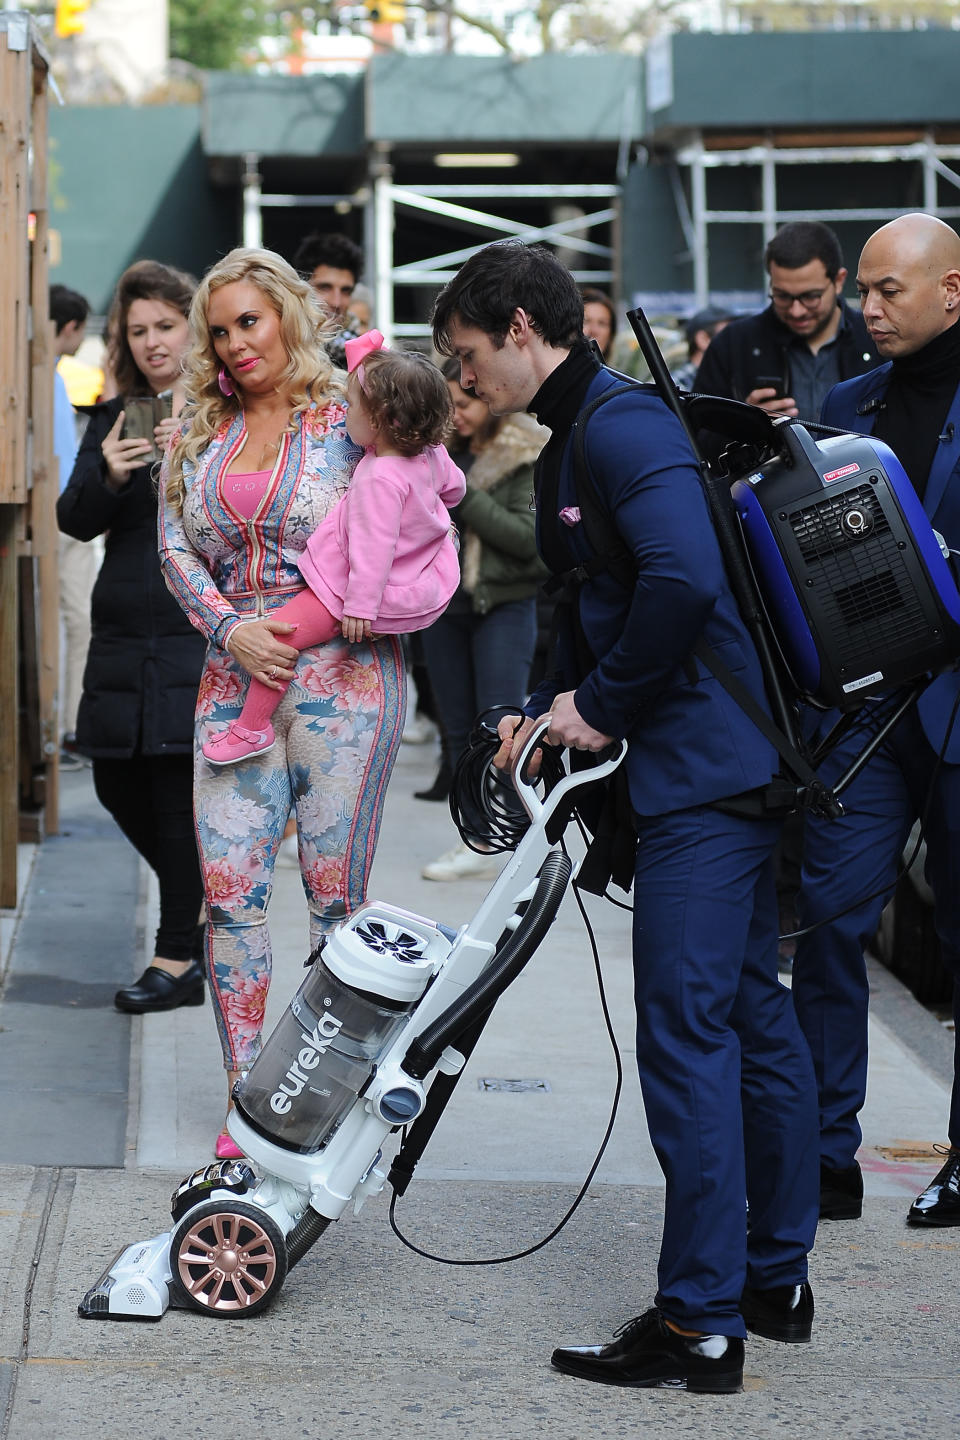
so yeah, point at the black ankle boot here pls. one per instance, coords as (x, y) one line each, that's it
(440, 789)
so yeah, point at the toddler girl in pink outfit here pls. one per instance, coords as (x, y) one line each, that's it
(383, 561)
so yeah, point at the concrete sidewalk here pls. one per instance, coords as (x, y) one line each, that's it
(366, 1335)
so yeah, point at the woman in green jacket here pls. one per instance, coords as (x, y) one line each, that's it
(479, 652)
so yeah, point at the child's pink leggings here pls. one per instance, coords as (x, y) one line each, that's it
(315, 625)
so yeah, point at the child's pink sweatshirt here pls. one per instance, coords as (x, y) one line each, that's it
(385, 552)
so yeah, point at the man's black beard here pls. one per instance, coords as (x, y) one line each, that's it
(824, 324)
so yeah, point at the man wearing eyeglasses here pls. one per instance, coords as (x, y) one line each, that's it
(787, 357)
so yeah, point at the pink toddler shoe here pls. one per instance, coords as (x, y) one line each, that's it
(238, 743)
(227, 1148)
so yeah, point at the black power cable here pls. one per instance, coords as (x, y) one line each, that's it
(486, 809)
(578, 1198)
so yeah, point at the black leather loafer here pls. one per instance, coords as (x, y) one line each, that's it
(940, 1202)
(158, 990)
(841, 1192)
(647, 1353)
(783, 1313)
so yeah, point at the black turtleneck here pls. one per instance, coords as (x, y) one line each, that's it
(557, 404)
(918, 399)
(559, 400)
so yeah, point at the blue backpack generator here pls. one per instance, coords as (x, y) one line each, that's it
(857, 588)
(848, 592)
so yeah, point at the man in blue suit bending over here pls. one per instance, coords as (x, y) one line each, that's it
(909, 284)
(726, 1077)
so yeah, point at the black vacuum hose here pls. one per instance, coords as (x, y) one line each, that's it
(305, 1233)
(429, 1045)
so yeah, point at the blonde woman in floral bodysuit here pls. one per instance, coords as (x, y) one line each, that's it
(263, 457)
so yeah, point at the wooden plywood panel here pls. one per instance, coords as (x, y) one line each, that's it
(15, 91)
(45, 721)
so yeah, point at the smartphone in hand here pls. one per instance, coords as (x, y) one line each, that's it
(770, 382)
(140, 418)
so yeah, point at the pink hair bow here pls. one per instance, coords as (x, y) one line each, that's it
(357, 350)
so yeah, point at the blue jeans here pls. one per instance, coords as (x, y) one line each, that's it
(476, 661)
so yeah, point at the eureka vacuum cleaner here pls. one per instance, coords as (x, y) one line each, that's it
(373, 1041)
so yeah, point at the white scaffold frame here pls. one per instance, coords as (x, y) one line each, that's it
(695, 217)
(383, 198)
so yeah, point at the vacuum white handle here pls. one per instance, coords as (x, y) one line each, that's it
(541, 810)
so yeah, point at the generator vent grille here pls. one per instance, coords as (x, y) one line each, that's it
(859, 582)
(819, 528)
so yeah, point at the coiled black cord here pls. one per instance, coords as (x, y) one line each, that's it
(485, 807)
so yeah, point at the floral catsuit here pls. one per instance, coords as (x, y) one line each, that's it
(338, 726)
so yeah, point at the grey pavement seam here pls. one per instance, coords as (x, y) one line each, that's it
(51, 1180)
(134, 1095)
(10, 919)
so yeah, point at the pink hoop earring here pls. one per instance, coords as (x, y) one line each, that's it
(226, 388)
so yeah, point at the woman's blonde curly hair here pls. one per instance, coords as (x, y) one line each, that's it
(309, 377)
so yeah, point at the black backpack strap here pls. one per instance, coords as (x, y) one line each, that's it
(604, 539)
(611, 554)
(818, 797)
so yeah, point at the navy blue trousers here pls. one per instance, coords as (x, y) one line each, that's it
(726, 1076)
(845, 860)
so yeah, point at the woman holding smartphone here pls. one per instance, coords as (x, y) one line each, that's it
(143, 667)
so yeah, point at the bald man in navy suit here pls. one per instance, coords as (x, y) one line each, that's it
(909, 284)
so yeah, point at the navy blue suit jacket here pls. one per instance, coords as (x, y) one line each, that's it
(942, 505)
(689, 743)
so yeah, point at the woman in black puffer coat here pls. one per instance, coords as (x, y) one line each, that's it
(144, 663)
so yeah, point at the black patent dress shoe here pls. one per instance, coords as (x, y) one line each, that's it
(647, 1353)
(158, 990)
(940, 1202)
(841, 1192)
(783, 1313)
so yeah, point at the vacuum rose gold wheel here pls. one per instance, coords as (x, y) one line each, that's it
(227, 1259)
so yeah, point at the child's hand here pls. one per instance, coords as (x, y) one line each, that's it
(163, 432)
(354, 629)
